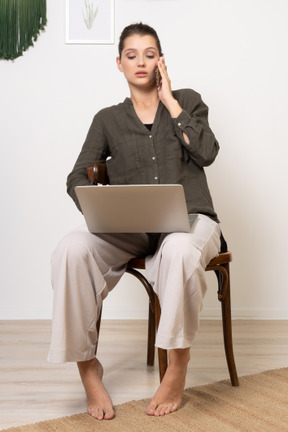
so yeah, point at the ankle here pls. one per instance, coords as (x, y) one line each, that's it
(179, 357)
(84, 365)
(90, 366)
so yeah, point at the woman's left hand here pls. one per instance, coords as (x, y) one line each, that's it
(165, 90)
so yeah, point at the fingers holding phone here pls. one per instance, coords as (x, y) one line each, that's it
(158, 77)
(164, 82)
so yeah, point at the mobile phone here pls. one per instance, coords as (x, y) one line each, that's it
(158, 77)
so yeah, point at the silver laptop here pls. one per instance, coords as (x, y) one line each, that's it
(135, 208)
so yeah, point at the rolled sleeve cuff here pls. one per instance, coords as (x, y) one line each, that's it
(181, 124)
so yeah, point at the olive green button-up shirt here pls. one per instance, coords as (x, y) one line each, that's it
(136, 155)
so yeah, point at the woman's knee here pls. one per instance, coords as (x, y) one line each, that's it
(73, 247)
(180, 245)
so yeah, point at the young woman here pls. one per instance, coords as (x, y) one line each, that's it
(155, 136)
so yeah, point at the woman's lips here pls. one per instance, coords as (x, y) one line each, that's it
(141, 74)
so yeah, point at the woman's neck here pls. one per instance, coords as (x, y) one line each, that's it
(144, 99)
(145, 105)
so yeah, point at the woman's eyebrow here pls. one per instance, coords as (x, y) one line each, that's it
(129, 49)
(135, 49)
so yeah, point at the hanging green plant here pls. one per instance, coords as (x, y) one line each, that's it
(20, 24)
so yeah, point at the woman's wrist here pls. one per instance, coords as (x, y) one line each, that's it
(173, 107)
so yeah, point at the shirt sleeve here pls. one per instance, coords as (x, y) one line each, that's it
(193, 121)
(94, 149)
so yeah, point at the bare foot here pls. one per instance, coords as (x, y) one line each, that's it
(168, 397)
(99, 402)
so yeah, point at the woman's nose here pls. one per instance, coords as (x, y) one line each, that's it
(141, 61)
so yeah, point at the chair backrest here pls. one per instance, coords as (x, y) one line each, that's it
(97, 173)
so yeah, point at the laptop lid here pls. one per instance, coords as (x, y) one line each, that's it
(134, 208)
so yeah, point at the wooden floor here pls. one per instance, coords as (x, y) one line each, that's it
(33, 390)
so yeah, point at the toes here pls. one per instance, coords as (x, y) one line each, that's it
(151, 409)
(160, 410)
(109, 415)
(96, 413)
(100, 414)
(171, 408)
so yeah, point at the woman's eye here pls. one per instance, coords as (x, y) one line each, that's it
(131, 57)
(150, 56)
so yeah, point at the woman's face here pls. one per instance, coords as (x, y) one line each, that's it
(139, 60)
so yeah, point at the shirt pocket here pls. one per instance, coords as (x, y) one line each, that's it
(127, 151)
(173, 148)
(125, 159)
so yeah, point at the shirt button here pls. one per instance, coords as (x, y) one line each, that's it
(153, 158)
(155, 178)
(179, 124)
(150, 136)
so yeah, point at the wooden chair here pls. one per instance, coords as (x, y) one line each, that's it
(220, 265)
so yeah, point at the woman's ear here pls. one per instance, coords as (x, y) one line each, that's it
(118, 61)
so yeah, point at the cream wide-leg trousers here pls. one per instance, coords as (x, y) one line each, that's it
(85, 267)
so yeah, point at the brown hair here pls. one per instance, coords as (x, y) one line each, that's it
(140, 29)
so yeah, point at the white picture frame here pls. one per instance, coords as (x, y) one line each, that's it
(89, 22)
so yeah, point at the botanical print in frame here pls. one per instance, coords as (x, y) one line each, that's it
(90, 21)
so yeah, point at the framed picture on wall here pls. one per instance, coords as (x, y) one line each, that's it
(89, 21)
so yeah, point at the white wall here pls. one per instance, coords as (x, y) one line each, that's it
(235, 54)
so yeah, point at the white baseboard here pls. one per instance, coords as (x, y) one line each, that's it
(142, 313)
(247, 313)
(207, 313)
(26, 313)
(260, 313)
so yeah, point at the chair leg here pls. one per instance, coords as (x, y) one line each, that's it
(151, 336)
(151, 317)
(227, 329)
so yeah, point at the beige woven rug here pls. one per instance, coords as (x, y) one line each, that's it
(260, 404)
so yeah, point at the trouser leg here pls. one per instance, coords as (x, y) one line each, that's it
(85, 267)
(177, 274)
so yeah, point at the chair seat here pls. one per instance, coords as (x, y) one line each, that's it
(222, 258)
(138, 263)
